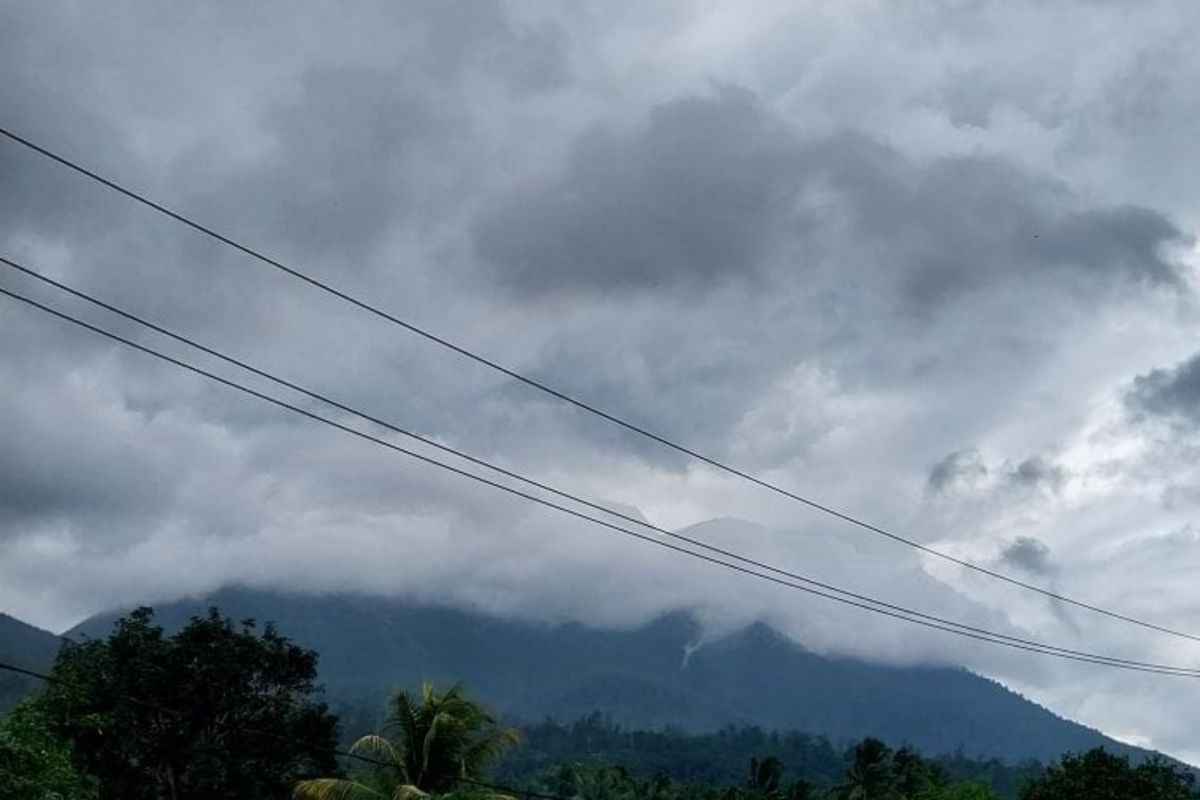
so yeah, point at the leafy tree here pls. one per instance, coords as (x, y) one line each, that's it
(719, 758)
(216, 710)
(602, 782)
(765, 781)
(1100, 775)
(966, 790)
(912, 775)
(429, 743)
(870, 774)
(34, 764)
(765, 776)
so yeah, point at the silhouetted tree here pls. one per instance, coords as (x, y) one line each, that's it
(216, 710)
(870, 774)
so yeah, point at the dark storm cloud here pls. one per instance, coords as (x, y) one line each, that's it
(344, 166)
(964, 223)
(712, 187)
(50, 461)
(1029, 554)
(1172, 393)
(690, 199)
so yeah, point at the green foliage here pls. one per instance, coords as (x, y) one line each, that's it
(871, 775)
(874, 771)
(720, 758)
(1099, 775)
(216, 710)
(967, 790)
(428, 744)
(34, 764)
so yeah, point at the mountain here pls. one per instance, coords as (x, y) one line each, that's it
(369, 645)
(25, 646)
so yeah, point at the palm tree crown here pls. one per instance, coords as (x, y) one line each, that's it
(429, 743)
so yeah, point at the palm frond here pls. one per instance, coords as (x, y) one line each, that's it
(485, 749)
(373, 745)
(334, 789)
(406, 791)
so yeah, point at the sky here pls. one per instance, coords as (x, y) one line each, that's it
(933, 264)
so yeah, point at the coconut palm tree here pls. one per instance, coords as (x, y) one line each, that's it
(870, 774)
(429, 743)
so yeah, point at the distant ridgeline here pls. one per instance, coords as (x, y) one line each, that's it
(639, 678)
(719, 758)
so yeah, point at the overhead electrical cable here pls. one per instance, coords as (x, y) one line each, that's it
(581, 404)
(833, 593)
(395, 428)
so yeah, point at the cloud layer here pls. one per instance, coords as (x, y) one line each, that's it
(934, 265)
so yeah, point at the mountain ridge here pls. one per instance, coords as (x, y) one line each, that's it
(648, 676)
(25, 646)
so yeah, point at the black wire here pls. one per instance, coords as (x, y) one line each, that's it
(578, 403)
(537, 484)
(878, 607)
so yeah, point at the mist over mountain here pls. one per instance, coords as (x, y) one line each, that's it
(658, 674)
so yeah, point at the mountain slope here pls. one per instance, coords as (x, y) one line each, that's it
(528, 671)
(24, 646)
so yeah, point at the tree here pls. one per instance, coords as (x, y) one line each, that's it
(911, 774)
(216, 710)
(966, 790)
(1100, 775)
(34, 764)
(765, 776)
(870, 774)
(428, 744)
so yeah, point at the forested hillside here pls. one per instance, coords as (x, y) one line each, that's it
(721, 757)
(530, 672)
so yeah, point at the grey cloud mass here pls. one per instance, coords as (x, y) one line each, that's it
(712, 187)
(934, 265)
(1028, 554)
(693, 198)
(957, 467)
(1170, 392)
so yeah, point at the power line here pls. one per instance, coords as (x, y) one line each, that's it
(865, 603)
(577, 402)
(395, 428)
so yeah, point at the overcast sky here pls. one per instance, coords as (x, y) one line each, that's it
(931, 263)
